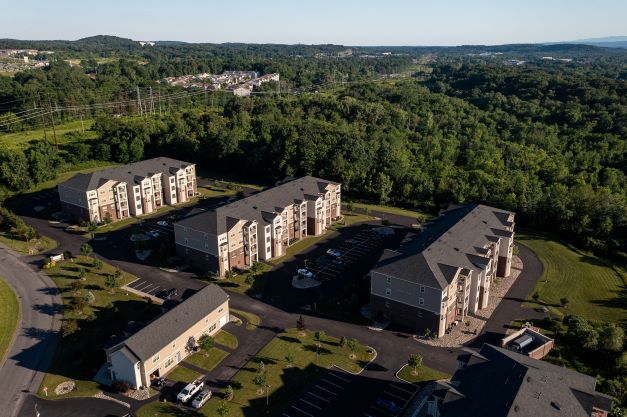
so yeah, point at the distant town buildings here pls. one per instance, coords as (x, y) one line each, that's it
(440, 275)
(241, 83)
(259, 227)
(128, 190)
(14, 60)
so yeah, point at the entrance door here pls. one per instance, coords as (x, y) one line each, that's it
(222, 321)
(178, 357)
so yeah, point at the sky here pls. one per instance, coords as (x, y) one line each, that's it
(346, 22)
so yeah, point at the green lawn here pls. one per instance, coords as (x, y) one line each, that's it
(253, 320)
(424, 374)
(183, 374)
(21, 139)
(207, 360)
(32, 247)
(393, 210)
(227, 339)
(159, 409)
(352, 218)
(211, 192)
(9, 315)
(86, 167)
(593, 286)
(79, 355)
(285, 379)
(239, 283)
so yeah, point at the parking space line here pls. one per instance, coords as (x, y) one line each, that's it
(286, 415)
(130, 284)
(138, 283)
(381, 410)
(154, 289)
(304, 412)
(331, 383)
(324, 389)
(318, 397)
(339, 377)
(396, 396)
(402, 389)
(143, 286)
(307, 402)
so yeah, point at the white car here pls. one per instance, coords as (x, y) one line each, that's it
(305, 273)
(189, 391)
(163, 223)
(333, 252)
(201, 399)
(152, 233)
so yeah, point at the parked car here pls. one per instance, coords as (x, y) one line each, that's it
(167, 294)
(163, 223)
(333, 252)
(158, 382)
(153, 233)
(201, 399)
(351, 241)
(388, 405)
(305, 273)
(190, 390)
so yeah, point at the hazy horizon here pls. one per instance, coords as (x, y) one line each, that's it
(351, 22)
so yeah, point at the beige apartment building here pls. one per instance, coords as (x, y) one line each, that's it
(445, 272)
(157, 348)
(259, 227)
(128, 190)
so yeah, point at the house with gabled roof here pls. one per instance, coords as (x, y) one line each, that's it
(443, 273)
(157, 348)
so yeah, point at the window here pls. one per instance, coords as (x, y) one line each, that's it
(169, 362)
(421, 301)
(155, 358)
(387, 304)
(389, 280)
(388, 291)
(206, 245)
(139, 207)
(173, 188)
(137, 198)
(173, 345)
(220, 310)
(213, 327)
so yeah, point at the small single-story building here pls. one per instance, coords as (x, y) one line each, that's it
(528, 341)
(158, 347)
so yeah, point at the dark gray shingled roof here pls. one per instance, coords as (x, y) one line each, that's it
(130, 173)
(260, 206)
(503, 383)
(452, 241)
(163, 330)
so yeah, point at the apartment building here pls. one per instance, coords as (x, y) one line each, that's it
(497, 382)
(443, 273)
(158, 347)
(128, 190)
(259, 227)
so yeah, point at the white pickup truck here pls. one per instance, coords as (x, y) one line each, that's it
(189, 391)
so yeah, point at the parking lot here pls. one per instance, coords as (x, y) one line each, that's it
(337, 393)
(347, 252)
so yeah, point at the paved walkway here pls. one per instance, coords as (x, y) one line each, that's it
(35, 340)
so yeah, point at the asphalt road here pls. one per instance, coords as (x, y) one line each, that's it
(35, 340)
(72, 407)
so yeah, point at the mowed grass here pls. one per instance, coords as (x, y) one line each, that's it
(21, 139)
(207, 360)
(79, 355)
(422, 374)
(183, 374)
(253, 320)
(31, 247)
(284, 378)
(227, 339)
(392, 210)
(9, 315)
(594, 287)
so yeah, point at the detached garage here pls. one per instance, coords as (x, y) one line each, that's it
(156, 349)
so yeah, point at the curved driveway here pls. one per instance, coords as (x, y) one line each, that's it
(35, 339)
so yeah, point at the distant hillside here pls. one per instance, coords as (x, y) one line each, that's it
(605, 42)
(107, 41)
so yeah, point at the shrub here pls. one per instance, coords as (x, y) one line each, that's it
(318, 335)
(250, 279)
(69, 327)
(206, 342)
(121, 386)
(97, 264)
(228, 393)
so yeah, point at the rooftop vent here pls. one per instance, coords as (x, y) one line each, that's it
(129, 172)
(302, 189)
(556, 405)
(457, 249)
(255, 207)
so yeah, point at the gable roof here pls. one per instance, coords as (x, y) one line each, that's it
(503, 383)
(453, 241)
(164, 329)
(261, 207)
(129, 173)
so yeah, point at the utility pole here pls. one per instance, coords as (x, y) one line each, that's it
(43, 122)
(54, 131)
(139, 103)
(152, 103)
(159, 99)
